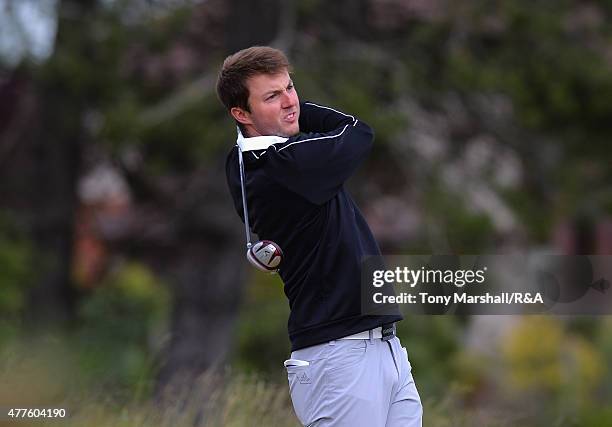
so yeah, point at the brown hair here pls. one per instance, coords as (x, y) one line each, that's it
(239, 67)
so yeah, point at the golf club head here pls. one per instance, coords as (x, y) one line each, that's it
(265, 256)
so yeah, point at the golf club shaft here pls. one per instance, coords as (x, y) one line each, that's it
(247, 228)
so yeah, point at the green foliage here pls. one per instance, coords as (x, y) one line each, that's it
(242, 401)
(596, 416)
(531, 212)
(550, 62)
(121, 124)
(547, 363)
(34, 371)
(15, 267)
(465, 230)
(327, 81)
(188, 141)
(431, 342)
(533, 353)
(263, 343)
(122, 325)
(42, 372)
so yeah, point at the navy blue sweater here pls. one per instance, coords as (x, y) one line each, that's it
(296, 198)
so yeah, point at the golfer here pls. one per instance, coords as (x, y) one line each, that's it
(346, 368)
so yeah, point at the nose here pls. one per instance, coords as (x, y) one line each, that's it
(287, 100)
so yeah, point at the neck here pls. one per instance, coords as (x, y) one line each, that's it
(249, 132)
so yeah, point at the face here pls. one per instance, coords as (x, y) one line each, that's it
(274, 104)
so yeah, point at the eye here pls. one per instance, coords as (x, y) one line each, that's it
(290, 87)
(271, 96)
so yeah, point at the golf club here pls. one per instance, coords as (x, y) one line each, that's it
(264, 255)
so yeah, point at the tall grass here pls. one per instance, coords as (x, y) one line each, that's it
(241, 401)
(47, 374)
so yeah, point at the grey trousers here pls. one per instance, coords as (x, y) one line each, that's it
(354, 383)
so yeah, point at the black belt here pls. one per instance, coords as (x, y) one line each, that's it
(388, 331)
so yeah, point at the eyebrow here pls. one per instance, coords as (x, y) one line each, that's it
(271, 92)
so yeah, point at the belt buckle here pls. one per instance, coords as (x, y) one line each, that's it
(388, 331)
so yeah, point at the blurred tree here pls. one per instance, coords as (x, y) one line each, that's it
(177, 222)
(247, 26)
(57, 145)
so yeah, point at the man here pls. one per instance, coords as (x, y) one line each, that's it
(346, 368)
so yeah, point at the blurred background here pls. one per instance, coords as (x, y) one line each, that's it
(125, 296)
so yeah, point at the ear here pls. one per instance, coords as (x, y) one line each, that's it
(241, 116)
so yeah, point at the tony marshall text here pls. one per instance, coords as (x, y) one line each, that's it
(460, 298)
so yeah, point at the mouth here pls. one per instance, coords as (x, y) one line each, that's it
(290, 117)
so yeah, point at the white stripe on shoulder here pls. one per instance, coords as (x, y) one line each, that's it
(329, 108)
(314, 139)
(280, 141)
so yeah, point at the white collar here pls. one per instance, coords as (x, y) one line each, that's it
(257, 142)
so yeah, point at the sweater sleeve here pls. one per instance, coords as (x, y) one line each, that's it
(317, 162)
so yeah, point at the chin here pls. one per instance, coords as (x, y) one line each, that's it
(292, 132)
